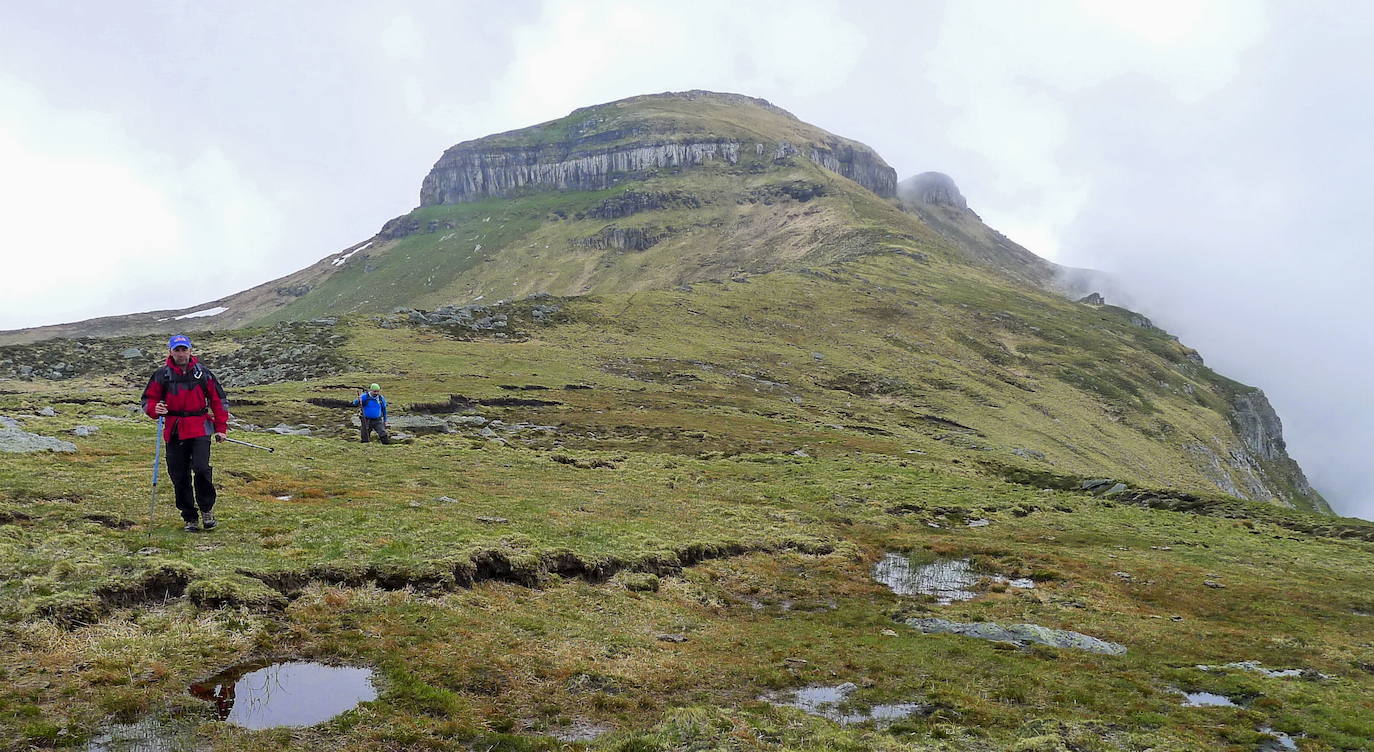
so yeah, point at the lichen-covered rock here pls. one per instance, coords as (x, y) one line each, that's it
(1020, 634)
(16, 440)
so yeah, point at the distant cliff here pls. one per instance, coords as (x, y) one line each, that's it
(594, 148)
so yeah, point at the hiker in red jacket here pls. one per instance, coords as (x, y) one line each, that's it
(185, 392)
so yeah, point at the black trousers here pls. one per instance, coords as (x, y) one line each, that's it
(378, 425)
(186, 457)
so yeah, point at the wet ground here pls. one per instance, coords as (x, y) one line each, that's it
(832, 703)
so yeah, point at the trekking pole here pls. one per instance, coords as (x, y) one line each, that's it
(255, 446)
(157, 457)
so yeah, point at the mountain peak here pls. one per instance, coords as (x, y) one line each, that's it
(598, 147)
(935, 188)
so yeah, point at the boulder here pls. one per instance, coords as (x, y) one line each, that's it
(17, 441)
(1019, 634)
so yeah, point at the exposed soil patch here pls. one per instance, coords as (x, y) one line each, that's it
(455, 403)
(506, 565)
(111, 521)
(584, 463)
(517, 402)
(328, 402)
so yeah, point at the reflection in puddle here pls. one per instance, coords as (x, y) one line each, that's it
(286, 694)
(1206, 699)
(1281, 741)
(825, 702)
(948, 580)
(146, 735)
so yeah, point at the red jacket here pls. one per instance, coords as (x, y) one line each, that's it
(191, 396)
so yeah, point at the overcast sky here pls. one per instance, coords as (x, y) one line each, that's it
(1216, 156)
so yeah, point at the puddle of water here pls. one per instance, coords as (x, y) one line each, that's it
(1281, 741)
(580, 731)
(285, 694)
(948, 580)
(1206, 699)
(825, 702)
(145, 735)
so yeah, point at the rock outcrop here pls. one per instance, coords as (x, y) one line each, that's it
(472, 172)
(596, 147)
(934, 188)
(1258, 425)
(1258, 468)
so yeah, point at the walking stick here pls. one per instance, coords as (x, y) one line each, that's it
(157, 456)
(255, 446)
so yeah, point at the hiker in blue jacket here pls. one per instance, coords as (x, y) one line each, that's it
(373, 413)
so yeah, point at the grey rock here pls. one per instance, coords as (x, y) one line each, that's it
(1030, 454)
(18, 441)
(1116, 489)
(48, 412)
(131, 353)
(493, 520)
(85, 430)
(1094, 298)
(1019, 634)
(285, 430)
(466, 420)
(1213, 584)
(672, 637)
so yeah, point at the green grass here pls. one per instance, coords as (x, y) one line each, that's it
(670, 500)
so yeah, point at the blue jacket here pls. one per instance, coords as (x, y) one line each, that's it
(373, 407)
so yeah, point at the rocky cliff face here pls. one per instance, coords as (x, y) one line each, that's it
(1258, 425)
(934, 188)
(471, 172)
(1258, 468)
(593, 148)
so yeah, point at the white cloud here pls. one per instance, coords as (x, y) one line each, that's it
(98, 224)
(1011, 71)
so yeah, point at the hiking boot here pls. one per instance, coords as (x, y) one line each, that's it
(208, 519)
(192, 527)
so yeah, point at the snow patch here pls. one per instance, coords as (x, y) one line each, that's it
(341, 259)
(217, 310)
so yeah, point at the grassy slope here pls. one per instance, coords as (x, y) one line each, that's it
(701, 469)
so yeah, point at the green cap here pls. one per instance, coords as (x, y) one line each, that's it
(375, 388)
